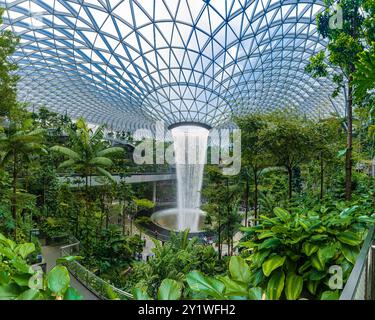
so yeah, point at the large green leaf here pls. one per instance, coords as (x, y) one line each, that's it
(106, 174)
(30, 294)
(58, 280)
(140, 294)
(270, 243)
(207, 285)
(315, 275)
(7, 252)
(72, 294)
(282, 214)
(330, 295)
(326, 253)
(22, 279)
(169, 290)
(293, 286)
(265, 234)
(309, 248)
(305, 266)
(312, 286)
(4, 277)
(319, 237)
(234, 288)
(257, 277)
(348, 211)
(67, 164)
(271, 264)
(350, 253)
(67, 152)
(258, 258)
(101, 161)
(350, 238)
(317, 263)
(110, 151)
(366, 219)
(9, 292)
(275, 285)
(239, 269)
(21, 265)
(255, 293)
(25, 249)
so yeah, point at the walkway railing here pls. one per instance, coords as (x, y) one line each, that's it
(361, 282)
(92, 282)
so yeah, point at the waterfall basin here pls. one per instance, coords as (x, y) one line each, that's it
(169, 219)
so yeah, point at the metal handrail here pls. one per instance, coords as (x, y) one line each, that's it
(363, 271)
(99, 287)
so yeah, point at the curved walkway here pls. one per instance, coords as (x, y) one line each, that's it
(50, 255)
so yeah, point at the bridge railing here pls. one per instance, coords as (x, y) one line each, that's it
(361, 282)
(99, 287)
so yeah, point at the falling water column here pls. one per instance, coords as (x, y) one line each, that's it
(190, 146)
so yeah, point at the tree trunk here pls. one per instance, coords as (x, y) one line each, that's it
(348, 160)
(321, 176)
(219, 239)
(255, 195)
(86, 187)
(77, 224)
(106, 219)
(14, 198)
(228, 219)
(290, 179)
(247, 200)
(123, 220)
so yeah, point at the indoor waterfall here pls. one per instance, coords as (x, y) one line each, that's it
(190, 147)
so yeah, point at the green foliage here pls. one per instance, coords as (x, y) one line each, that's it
(109, 254)
(89, 154)
(169, 290)
(222, 207)
(19, 144)
(290, 253)
(233, 286)
(364, 78)
(8, 78)
(58, 280)
(19, 281)
(144, 204)
(173, 260)
(317, 66)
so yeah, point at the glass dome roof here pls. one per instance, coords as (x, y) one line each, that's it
(128, 63)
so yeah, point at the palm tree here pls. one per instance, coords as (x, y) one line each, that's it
(88, 154)
(18, 144)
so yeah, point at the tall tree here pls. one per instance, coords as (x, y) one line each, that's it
(89, 153)
(8, 79)
(344, 48)
(364, 77)
(287, 138)
(18, 144)
(254, 156)
(325, 145)
(222, 194)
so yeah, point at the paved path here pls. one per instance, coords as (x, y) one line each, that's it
(50, 255)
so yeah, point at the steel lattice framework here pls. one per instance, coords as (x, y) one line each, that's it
(127, 63)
